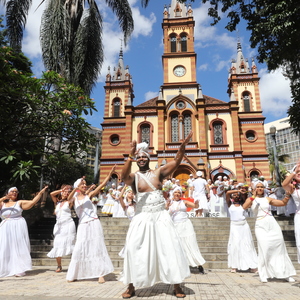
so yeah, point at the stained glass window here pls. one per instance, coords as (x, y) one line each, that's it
(246, 97)
(187, 124)
(218, 133)
(184, 43)
(174, 129)
(117, 104)
(145, 133)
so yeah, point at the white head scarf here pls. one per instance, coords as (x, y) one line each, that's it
(77, 183)
(13, 188)
(143, 148)
(178, 188)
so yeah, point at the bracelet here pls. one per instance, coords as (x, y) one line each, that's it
(130, 159)
(251, 198)
(131, 156)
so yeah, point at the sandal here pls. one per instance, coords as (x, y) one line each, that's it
(178, 292)
(59, 269)
(130, 292)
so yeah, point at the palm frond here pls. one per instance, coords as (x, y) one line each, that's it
(53, 36)
(123, 11)
(88, 50)
(16, 16)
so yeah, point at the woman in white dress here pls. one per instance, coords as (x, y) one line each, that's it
(109, 204)
(14, 240)
(64, 229)
(292, 187)
(273, 259)
(90, 258)
(118, 211)
(127, 201)
(241, 250)
(178, 212)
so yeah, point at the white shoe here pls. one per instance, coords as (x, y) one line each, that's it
(20, 274)
(264, 280)
(290, 279)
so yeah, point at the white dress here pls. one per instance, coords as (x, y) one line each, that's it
(296, 197)
(64, 231)
(199, 185)
(14, 242)
(90, 258)
(109, 205)
(273, 259)
(186, 232)
(153, 249)
(241, 250)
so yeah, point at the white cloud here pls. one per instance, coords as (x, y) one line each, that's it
(203, 67)
(275, 92)
(149, 95)
(142, 24)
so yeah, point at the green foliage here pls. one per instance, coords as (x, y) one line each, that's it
(71, 35)
(275, 31)
(39, 119)
(282, 158)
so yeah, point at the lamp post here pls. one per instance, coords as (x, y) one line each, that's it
(276, 165)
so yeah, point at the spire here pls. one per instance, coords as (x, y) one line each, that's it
(240, 65)
(178, 10)
(120, 73)
(200, 94)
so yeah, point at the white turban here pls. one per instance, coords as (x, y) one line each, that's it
(13, 188)
(144, 148)
(77, 183)
(256, 182)
(178, 188)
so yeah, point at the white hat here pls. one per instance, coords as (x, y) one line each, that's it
(225, 177)
(199, 173)
(191, 175)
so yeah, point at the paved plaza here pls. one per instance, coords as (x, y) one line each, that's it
(44, 283)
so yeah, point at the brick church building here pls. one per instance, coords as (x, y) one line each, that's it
(228, 136)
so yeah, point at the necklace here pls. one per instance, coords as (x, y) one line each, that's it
(146, 171)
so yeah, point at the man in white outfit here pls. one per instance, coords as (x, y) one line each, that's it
(200, 190)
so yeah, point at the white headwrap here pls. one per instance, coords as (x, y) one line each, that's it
(256, 182)
(178, 188)
(144, 148)
(13, 188)
(77, 182)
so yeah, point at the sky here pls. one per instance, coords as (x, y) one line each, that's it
(214, 45)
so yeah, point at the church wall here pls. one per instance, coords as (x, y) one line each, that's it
(243, 87)
(172, 62)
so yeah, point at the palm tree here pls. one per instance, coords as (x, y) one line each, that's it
(71, 35)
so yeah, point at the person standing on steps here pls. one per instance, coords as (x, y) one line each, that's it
(64, 230)
(153, 251)
(14, 240)
(90, 258)
(178, 212)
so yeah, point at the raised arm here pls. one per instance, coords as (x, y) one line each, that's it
(287, 183)
(171, 166)
(100, 186)
(121, 197)
(54, 195)
(27, 204)
(228, 194)
(126, 174)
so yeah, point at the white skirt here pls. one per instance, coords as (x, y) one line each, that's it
(188, 238)
(90, 258)
(64, 238)
(241, 250)
(14, 247)
(108, 207)
(273, 259)
(297, 233)
(153, 251)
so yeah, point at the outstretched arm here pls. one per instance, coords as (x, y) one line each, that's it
(98, 189)
(27, 204)
(228, 194)
(126, 176)
(171, 166)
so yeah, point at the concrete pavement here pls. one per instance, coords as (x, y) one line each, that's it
(44, 283)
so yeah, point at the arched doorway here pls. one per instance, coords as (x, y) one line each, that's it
(182, 174)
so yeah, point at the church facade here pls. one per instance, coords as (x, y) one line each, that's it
(228, 137)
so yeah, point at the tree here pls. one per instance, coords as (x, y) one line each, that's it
(39, 119)
(275, 32)
(282, 158)
(71, 35)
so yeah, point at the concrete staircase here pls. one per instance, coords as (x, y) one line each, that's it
(212, 236)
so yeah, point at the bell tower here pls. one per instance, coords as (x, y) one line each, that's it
(179, 57)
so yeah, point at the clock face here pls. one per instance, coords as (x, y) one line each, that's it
(179, 71)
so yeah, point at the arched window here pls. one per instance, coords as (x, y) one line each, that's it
(173, 41)
(187, 124)
(218, 133)
(183, 41)
(145, 133)
(246, 101)
(116, 108)
(174, 128)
